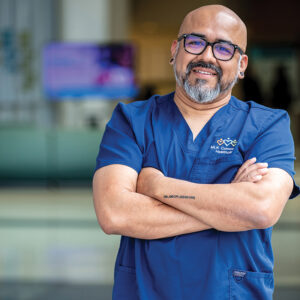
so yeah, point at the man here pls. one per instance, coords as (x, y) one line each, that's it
(176, 176)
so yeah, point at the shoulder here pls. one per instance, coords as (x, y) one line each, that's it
(140, 110)
(259, 114)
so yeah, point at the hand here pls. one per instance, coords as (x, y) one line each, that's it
(148, 180)
(251, 171)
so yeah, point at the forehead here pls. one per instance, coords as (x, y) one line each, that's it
(214, 26)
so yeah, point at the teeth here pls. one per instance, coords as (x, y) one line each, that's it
(202, 72)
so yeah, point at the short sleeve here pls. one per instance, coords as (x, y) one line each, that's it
(119, 145)
(275, 145)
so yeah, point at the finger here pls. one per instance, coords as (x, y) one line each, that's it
(256, 175)
(261, 165)
(263, 171)
(252, 169)
(257, 178)
(255, 167)
(245, 165)
(260, 175)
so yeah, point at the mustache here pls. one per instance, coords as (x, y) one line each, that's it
(203, 64)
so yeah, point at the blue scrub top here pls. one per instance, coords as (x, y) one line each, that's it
(210, 264)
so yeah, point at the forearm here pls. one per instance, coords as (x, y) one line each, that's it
(140, 216)
(243, 205)
(226, 207)
(120, 210)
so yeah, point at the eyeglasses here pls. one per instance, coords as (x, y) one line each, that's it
(196, 44)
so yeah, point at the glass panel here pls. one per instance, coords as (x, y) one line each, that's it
(223, 50)
(194, 43)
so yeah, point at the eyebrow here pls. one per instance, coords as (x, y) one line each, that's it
(217, 40)
(224, 41)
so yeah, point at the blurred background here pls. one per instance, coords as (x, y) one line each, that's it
(64, 64)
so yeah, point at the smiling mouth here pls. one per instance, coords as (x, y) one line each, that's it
(210, 73)
(204, 69)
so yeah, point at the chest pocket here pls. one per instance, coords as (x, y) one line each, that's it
(216, 169)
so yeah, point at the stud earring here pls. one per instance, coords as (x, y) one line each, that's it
(171, 60)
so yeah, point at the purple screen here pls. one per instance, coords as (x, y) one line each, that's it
(73, 70)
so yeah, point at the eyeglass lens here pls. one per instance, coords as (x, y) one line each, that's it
(196, 45)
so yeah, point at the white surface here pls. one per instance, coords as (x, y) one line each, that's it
(54, 253)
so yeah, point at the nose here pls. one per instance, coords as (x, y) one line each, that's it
(207, 54)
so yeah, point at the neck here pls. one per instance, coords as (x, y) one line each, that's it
(188, 107)
(198, 114)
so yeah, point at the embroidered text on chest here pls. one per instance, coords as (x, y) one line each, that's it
(224, 146)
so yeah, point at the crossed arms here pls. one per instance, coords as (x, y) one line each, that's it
(150, 205)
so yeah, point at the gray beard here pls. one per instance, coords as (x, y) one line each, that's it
(200, 94)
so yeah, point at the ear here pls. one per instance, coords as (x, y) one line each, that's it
(173, 48)
(243, 66)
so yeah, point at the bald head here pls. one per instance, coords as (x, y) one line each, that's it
(216, 17)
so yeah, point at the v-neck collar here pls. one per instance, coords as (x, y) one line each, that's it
(184, 133)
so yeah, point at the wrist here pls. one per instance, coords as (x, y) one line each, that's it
(158, 185)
